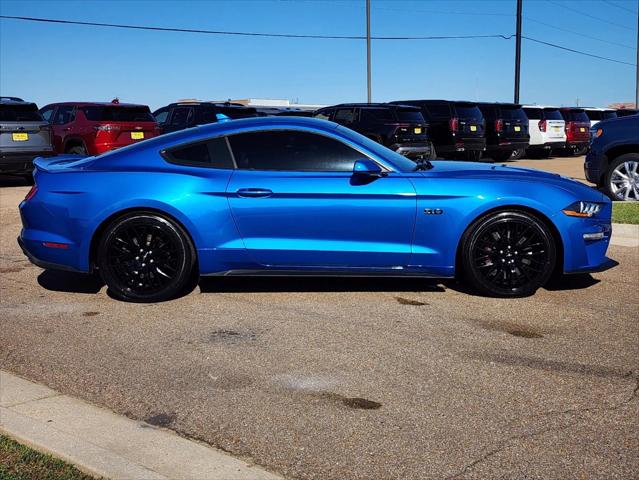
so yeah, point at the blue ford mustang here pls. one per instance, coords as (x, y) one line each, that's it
(299, 196)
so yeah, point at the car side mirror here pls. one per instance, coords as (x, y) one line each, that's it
(367, 167)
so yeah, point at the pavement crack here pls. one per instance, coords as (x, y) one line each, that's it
(57, 394)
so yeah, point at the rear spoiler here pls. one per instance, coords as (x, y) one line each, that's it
(58, 163)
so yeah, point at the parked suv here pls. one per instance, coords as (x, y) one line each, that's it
(178, 116)
(85, 128)
(625, 112)
(596, 115)
(506, 129)
(547, 129)
(455, 128)
(577, 130)
(397, 127)
(613, 160)
(24, 135)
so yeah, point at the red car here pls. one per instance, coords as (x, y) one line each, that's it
(85, 128)
(577, 130)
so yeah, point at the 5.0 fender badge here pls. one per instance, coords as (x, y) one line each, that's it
(433, 211)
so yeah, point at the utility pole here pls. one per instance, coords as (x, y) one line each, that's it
(518, 51)
(368, 48)
(637, 79)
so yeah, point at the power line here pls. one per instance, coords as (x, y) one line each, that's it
(619, 6)
(291, 35)
(577, 51)
(590, 16)
(578, 33)
(247, 34)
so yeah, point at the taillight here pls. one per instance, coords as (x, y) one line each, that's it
(31, 193)
(542, 125)
(499, 125)
(453, 123)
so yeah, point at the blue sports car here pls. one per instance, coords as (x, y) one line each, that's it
(300, 196)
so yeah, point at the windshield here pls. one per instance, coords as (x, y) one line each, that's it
(118, 114)
(552, 114)
(20, 113)
(513, 114)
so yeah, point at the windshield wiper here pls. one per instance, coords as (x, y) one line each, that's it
(424, 165)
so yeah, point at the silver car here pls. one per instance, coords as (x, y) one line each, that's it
(24, 135)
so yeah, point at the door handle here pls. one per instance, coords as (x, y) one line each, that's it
(254, 192)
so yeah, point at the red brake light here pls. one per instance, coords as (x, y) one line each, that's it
(31, 193)
(499, 125)
(542, 125)
(453, 123)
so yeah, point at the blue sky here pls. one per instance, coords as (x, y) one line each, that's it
(47, 62)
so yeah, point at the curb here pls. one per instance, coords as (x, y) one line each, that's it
(625, 235)
(104, 444)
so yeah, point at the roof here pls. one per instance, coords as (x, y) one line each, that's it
(98, 104)
(541, 106)
(372, 105)
(13, 101)
(501, 104)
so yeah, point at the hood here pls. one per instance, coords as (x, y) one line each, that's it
(503, 172)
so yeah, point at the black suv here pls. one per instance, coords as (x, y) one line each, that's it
(626, 112)
(178, 116)
(455, 128)
(613, 160)
(24, 135)
(506, 129)
(398, 127)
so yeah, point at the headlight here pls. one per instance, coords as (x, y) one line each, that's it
(582, 209)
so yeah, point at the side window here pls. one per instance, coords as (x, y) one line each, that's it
(47, 112)
(181, 116)
(344, 115)
(65, 114)
(292, 151)
(323, 114)
(161, 115)
(212, 153)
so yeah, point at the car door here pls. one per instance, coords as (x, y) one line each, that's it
(61, 125)
(179, 119)
(297, 204)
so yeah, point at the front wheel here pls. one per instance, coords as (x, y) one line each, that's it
(508, 254)
(145, 257)
(621, 182)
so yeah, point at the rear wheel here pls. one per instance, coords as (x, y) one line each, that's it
(77, 150)
(508, 254)
(517, 154)
(144, 257)
(578, 151)
(621, 182)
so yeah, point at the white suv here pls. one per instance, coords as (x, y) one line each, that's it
(596, 115)
(547, 130)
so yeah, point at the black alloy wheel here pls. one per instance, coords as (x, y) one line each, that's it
(144, 257)
(508, 254)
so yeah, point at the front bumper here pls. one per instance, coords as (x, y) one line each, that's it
(21, 162)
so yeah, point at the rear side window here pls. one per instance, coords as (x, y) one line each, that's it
(181, 116)
(118, 114)
(238, 112)
(323, 114)
(438, 110)
(292, 151)
(344, 115)
(552, 114)
(608, 114)
(161, 115)
(377, 114)
(533, 113)
(20, 113)
(212, 153)
(64, 114)
(513, 114)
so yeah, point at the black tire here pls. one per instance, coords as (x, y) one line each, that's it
(502, 156)
(153, 269)
(508, 254)
(77, 150)
(610, 177)
(545, 153)
(578, 151)
(518, 154)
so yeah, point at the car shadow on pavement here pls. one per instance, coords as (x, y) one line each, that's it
(13, 181)
(571, 282)
(317, 284)
(61, 281)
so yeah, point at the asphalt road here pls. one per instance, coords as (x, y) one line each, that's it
(348, 378)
